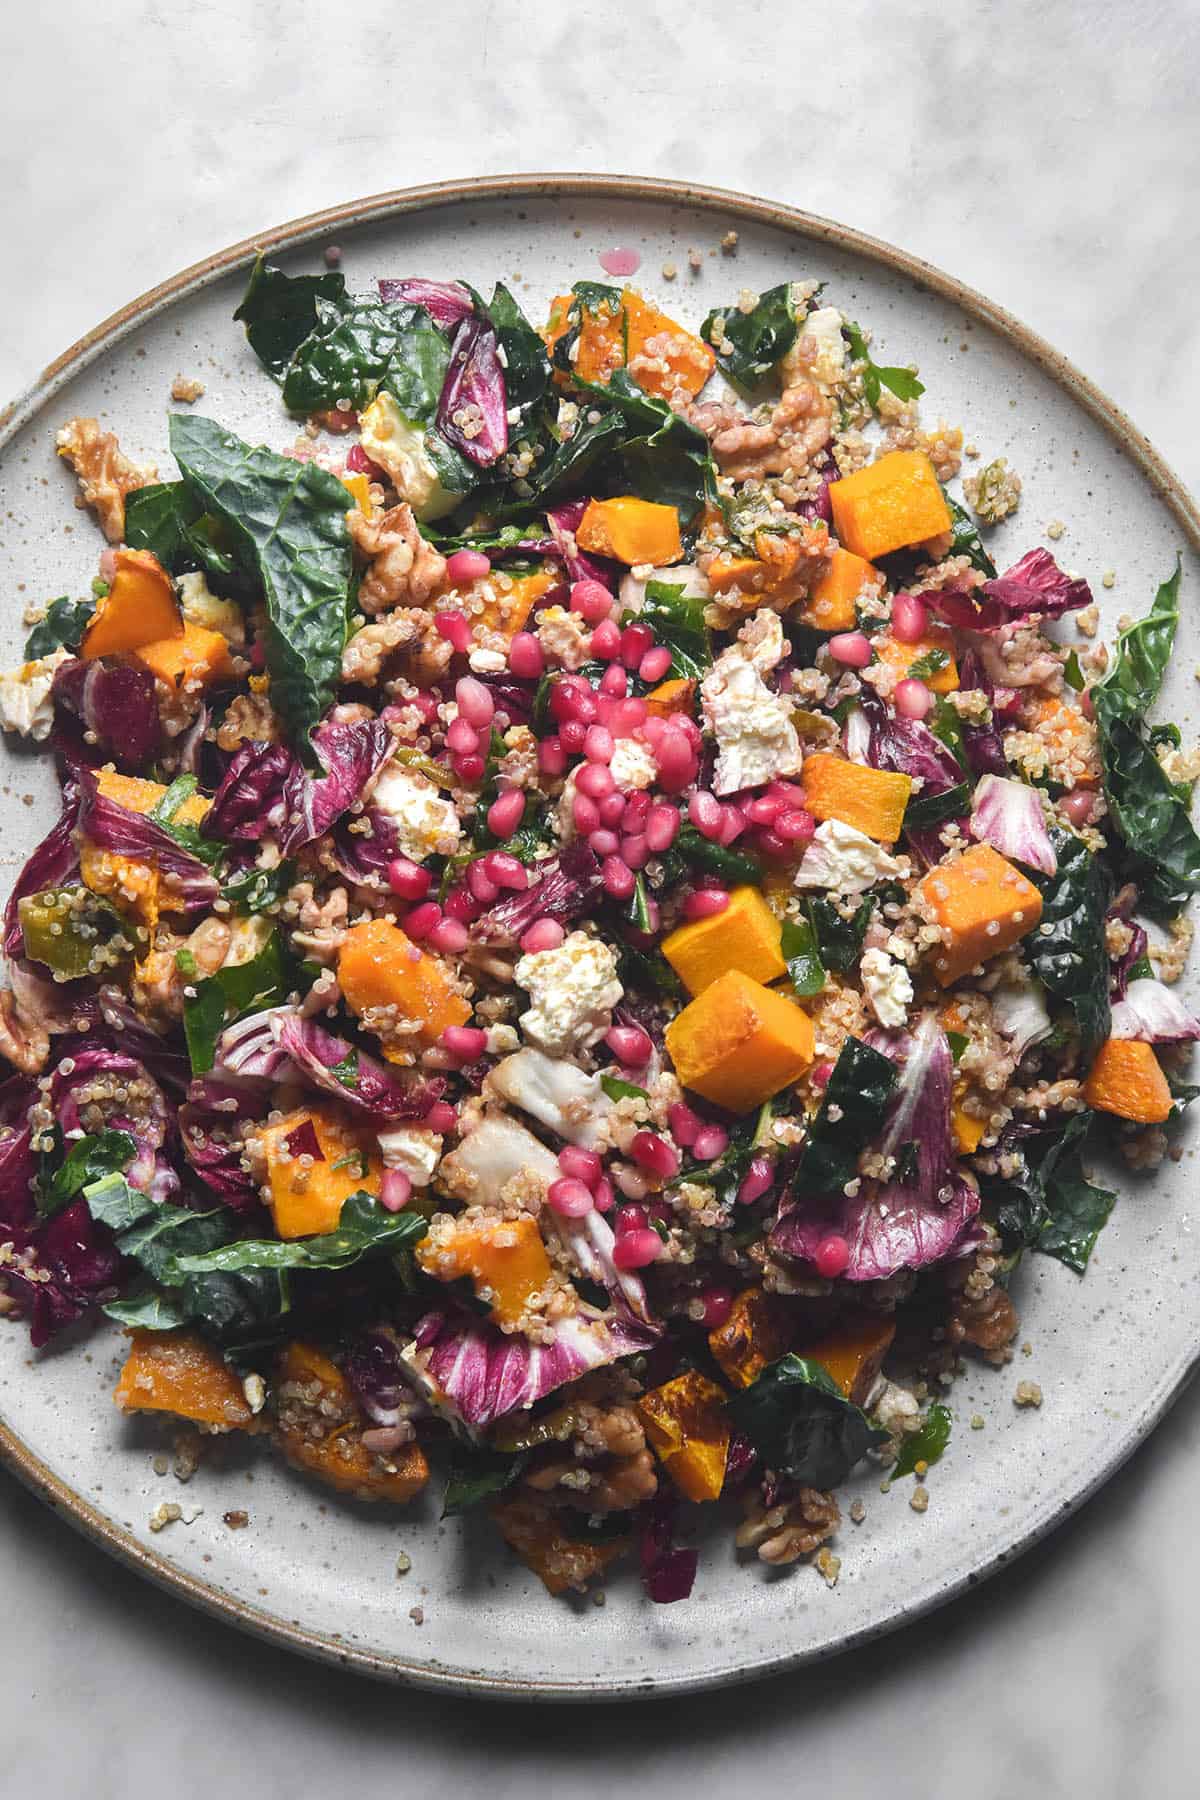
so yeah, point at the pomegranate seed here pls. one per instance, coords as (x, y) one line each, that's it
(612, 809)
(595, 780)
(634, 849)
(618, 877)
(653, 1153)
(462, 737)
(441, 1117)
(461, 905)
(632, 1183)
(603, 1196)
(573, 699)
(468, 565)
(506, 812)
(636, 640)
(449, 937)
(506, 871)
(662, 828)
(572, 735)
(705, 903)
(685, 1124)
(582, 1165)
(552, 757)
(466, 1043)
(421, 920)
(614, 682)
(455, 628)
(637, 810)
(655, 664)
(637, 1249)
(604, 843)
(756, 1181)
(482, 887)
(395, 1190)
(605, 644)
(912, 699)
(570, 1199)
(820, 1073)
(525, 657)
(711, 1142)
(765, 810)
(910, 619)
(717, 1302)
(408, 879)
(1079, 805)
(586, 814)
(795, 827)
(629, 717)
(469, 769)
(258, 656)
(630, 1045)
(788, 792)
(853, 648)
(475, 703)
(768, 843)
(676, 763)
(832, 1255)
(543, 934)
(704, 810)
(732, 824)
(687, 728)
(598, 745)
(630, 1218)
(591, 600)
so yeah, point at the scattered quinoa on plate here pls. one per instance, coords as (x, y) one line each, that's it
(590, 930)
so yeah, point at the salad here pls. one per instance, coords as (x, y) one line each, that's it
(592, 929)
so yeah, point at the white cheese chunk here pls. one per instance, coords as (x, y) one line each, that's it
(427, 823)
(572, 991)
(845, 860)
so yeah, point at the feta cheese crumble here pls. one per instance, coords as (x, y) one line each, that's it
(413, 1149)
(888, 988)
(845, 860)
(427, 823)
(756, 740)
(25, 705)
(572, 991)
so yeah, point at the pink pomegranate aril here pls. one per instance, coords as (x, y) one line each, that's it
(603, 842)
(756, 1181)
(685, 1124)
(910, 619)
(662, 828)
(572, 698)
(506, 871)
(552, 758)
(572, 735)
(467, 565)
(614, 683)
(653, 1153)
(612, 810)
(605, 641)
(655, 665)
(912, 699)
(449, 938)
(820, 1073)
(543, 934)
(631, 1181)
(676, 762)
(525, 657)
(630, 1218)
(462, 737)
(628, 717)
(711, 1142)
(717, 1302)
(408, 879)
(851, 648)
(441, 1117)
(769, 843)
(794, 827)
(1079, 805)
(619, 879)
(505, 813)
(687, 729)
(630, 1045)
(482, 887)
(636, 640)
(466, 1043)
(395, 1190)
(603, 1196)
(475, 703)
(765, 810)
(598, 745)
(469, 768)
(787, 791)
(460, 904)
(704, 810)
(832, 1256)
(591, 600)
(634, 849)
(637, 810)
(455, 628)
(733, 824)
(595, 780)
(570, 1199)
(586, 814)
(581, 1165)
(421, 920)
(637, 1249)
(705, 903)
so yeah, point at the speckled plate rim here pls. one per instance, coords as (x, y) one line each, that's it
(1059, 1504)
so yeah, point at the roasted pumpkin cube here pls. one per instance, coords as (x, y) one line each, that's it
(139, 608)
(387, 981)
(666, 357)
(832, 603)
(984, 905)
(140, 796)
(358, 486)
(194, 658)
(631, 530)
(178, 1372)
(319, 1429)
(507, 600)
(937, 644)
(872, 800)
(132, 883)
(315, 1161)
(687, 1426)
(853, 1355)
(758, 1331)
(889, 504)
(600, 346)
(543, 1541)
(505, 1258)
(737, 1043)
(673, 696)
(745, 936)
(1127, 1080)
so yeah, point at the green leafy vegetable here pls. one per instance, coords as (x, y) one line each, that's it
(931, 809)
(168, 520)
(231, 994)
(362, 346)
(902, 382)
(839, 940)
(677, 622)
(364, 1228)
(925, 1445)
(287, 521)
(61, 629)
(255, 890)
(692, 849)
(657, 454)
(526, 365)
(850, 1115)
(1068, 952)
(958, 1042)
(89, 1159)
(802, 954)
(932, 663)
(1047, 1202)
(965, 539)
(476, 1472)
(616, 1089)
(801, 1423)
(1072, 673)
(748, 345)
(279, 311)
(729, 1170)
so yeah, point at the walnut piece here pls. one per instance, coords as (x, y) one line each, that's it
(105, 473)
(403, 568)
(790, 1529)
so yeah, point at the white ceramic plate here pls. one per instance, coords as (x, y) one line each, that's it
(1110, 1352)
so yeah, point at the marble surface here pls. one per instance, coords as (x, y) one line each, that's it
(1041, 151)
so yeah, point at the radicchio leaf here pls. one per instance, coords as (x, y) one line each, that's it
(1155, 1015)
(982, 744)
(62, 1270)
(55, 863)
(567, 888)
(211, 1142)
(116, 705)
(363, 856)
(1007, 814)
(1033, 586)
(337, 1067)
(448, 303)
(668, 1570)
(251, 795)
(374, 1367)
(564, 522)
(351, 754)
(475, 384)
(126, 833)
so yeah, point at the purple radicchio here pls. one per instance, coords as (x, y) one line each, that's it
(209, 1127)
(250, 1048)
(1007, 814)
(149, 1125)
(374, 1367)
(18, 1165)
(567, 888)
(334, 1066)
(564, 522)
(112, 827)
(1123, 967)
(363, 856)
(250, 796)
(59, 1271)
(982, 744)
(668, 1568)
(478, 1373)
(351, 755)
(448, 303)
(1019, 1011)
(55, 863)
(1033, 586)
(1151, 1012)
(472, 412)
(105, 1019)
(909, 747)
(918, 1215)
(116, 706)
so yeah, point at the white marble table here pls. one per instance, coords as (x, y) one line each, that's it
(1046, 153)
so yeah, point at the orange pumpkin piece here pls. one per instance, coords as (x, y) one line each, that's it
(505, 1258)
(743, 572)
(379, 968)
(133, 884)
(872, 800)
(139, 608)
(307, 1197)
(192, 658)
(889, 505)
(831, 606)
(319, 1429)
(1127, 1080)
(900, 658)
(631, 530)
(507, 600)
(852, 1356)
(983, 904)
(178, 1372)
(780, 567)
(687, 1426)
(737, 1042)
(968, 1130)
(757, 1332)
(358, 486)
(544, 1544)
(669, 358)
(673, 696)
(746, 936)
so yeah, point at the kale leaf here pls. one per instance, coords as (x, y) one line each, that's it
(475, 1472)
(1068, 952)
(364, 1227)
(231, 994)
(750, 344)
(802, 954)
(677, 621)
(850, 1115)
(925, 1445)
(61, 629)
(801, 1423)
(89, 1159)
(279, 311)
(1047, 1203)
(902, 382)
